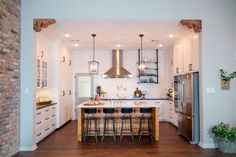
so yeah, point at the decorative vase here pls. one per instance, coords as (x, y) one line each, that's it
(225, 85)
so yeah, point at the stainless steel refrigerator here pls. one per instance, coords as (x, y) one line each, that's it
(186, 88)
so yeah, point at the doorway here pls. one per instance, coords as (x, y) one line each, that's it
(83, 88)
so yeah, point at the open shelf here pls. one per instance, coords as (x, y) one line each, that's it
(150, 73)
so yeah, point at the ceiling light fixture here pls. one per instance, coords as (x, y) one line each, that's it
(67, 35)
(141, 63)
(160, 45)
(76, 45)
(171, 35)
(93, 65)
(118, 45)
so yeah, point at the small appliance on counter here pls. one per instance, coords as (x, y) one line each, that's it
(98, 90)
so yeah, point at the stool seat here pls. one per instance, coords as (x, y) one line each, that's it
(126, 110)
(108, 110)
(90, 110)
(146, 110)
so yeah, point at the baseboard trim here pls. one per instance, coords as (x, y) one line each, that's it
(28, 148)
(208, 145)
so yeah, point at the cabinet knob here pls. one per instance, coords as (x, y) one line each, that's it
(177, 70)
(42, 54)
(190, 67)
(63, 59)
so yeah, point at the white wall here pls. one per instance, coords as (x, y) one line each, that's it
(218, 47)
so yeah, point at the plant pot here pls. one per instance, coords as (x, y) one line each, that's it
(227, 146)
(225, 85)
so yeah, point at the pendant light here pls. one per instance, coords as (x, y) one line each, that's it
(141, 65)
(93, 65)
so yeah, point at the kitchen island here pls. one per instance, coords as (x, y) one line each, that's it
(117, 105)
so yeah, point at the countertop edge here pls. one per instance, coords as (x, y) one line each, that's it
(135, 99)
(43, 106)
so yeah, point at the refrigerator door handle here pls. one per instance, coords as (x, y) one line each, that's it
(184, 94)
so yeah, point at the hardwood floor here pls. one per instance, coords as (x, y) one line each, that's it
(63, 143)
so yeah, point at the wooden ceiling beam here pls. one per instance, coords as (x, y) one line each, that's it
(196, 25)
(39, 24)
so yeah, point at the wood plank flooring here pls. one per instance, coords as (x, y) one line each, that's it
(63, 143)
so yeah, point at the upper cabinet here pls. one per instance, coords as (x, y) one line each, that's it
(186, 54)
(42, 49)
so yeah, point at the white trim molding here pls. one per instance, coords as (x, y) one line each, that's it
(28, 148)
(208, 145)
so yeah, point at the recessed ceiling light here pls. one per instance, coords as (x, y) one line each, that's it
(160, 45)
(118, 45)
(67, 35)
(171, 35)
(76, 45)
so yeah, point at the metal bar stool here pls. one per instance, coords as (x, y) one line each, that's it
(146, 115)
(126, 116)
(109, 115)
(91, 115)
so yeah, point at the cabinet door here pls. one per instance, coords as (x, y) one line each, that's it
(196, 51)
(178, 58)
(188, 42)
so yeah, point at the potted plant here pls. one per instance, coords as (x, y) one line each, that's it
(225, 78)
(226, 137)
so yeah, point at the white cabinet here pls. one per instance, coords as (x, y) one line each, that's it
(186, 54)
(172, 116)
(42, 49)
(63, 83)
(45, 122)
(178, 58)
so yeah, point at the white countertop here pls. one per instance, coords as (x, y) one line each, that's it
(108, 104)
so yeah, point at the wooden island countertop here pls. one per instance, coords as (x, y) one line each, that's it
(117, 105)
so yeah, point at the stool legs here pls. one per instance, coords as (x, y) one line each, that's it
(105, 126)
(140, 132)
(123, 118)
(88, 120)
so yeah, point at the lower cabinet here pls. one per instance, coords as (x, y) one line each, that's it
(45, 122)
(167, 112)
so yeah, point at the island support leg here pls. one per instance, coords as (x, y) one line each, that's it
(155, 123)
(80, 125)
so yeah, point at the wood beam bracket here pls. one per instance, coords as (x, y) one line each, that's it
(196, 25)
(39, 24)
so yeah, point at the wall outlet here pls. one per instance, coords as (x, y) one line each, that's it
(210, 90)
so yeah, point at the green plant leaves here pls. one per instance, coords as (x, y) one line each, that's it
(224, 131)
(225, 76)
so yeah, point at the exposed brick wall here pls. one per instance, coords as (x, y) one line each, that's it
(9, 76)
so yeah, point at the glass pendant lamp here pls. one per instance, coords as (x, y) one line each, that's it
(141, 64)
(93, 65)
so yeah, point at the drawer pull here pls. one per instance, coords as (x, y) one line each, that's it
(46, 110)
(53, 108)
(53, 115)
(46, 118)
(39, 134)
(53, 124)
(47, 129)
(39, 122)
(38, 113)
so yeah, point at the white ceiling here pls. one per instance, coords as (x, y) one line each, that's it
(113, 32)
